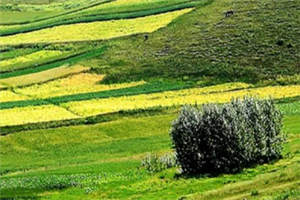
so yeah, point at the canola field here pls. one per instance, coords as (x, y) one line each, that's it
(94, 30)
(217, 94)
(40, 77)
(177, 98)
(34, 114)
(79, 83)
(22, 62)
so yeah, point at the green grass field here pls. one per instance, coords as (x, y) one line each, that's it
(106, 165)
(88, 89)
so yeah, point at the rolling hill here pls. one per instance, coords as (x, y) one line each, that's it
(89, 88)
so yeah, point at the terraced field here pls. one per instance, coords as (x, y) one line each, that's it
(89, 88)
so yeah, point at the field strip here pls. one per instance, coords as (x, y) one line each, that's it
(29, 60)
(175, 98)
(148, 88)
(61, 14)
(41, 77)
(101, 15)
(100, 161)
(245, 192)
(144, 101)
(75, 84)
(131, 5)
(8, 95)
(70, 60)
(108, 117)
(89, 120)
(94, 30)
(17, 52)
(33, 115)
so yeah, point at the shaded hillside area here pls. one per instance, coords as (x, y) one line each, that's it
(258, 41)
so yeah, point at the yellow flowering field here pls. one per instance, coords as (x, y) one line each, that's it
(187, 96)
(219, 93)
(78, 83)
(33, 114)
(124, 5)
(21, 61)
(42, 76)
(95, 30)
(6, 95)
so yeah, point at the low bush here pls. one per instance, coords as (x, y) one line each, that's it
(155, 163)
(226, 138)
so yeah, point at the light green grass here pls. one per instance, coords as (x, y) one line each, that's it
(102, 161)
(10, 17)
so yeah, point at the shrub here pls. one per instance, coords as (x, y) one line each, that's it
(226, 138)
(155, 163)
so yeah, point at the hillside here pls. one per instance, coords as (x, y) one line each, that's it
(88, 89)
(259, 41)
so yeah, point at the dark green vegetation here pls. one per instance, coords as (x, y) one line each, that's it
(7, 54)
(107, 164)
(259, 41)
(227, 138)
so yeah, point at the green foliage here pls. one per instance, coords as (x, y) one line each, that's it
(254, 193)
(227, 138)
(154, 163)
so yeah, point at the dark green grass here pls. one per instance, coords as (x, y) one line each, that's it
(70, 60)
(17, 52)
(36, 63)
(152, 87)
(141, 11)
(106, 164)
(258, 42)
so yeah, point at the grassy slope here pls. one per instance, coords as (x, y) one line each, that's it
(259, 41)
(106, 164)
